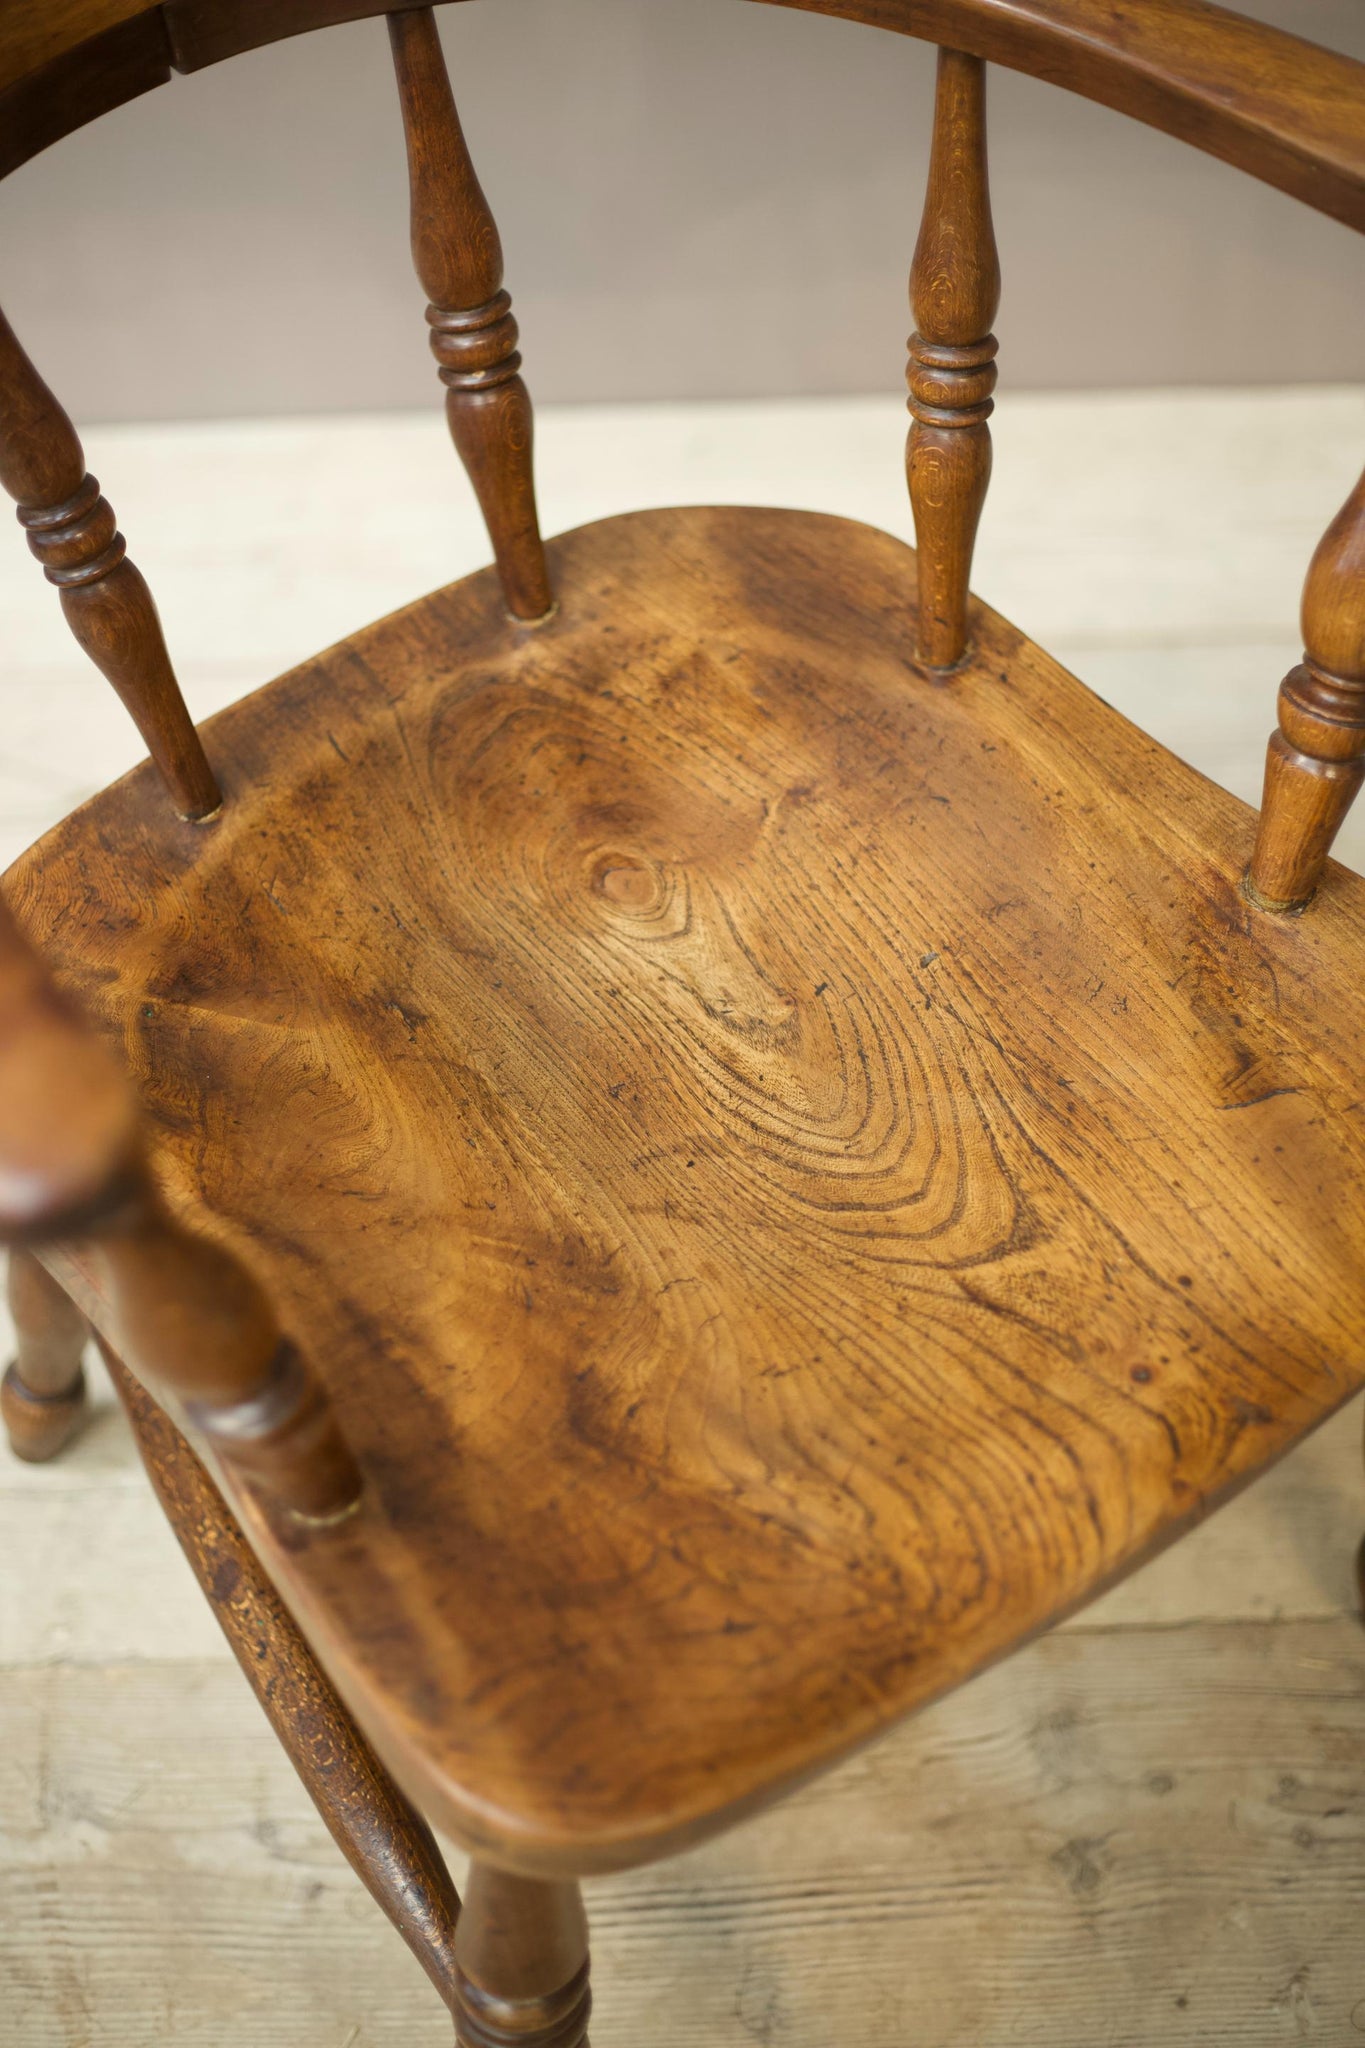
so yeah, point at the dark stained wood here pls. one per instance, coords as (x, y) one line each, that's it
(1281, 108)
(954, 295)
(787, 1178)
(42, 1395)
(181, 1308)
(205, 31)
(774, 1242)
(72, 531)
(36, 33)
(522, 1954)
(80, 85)
(383, 1838)
(1286, 110)
(1315, 763)
(458, 259)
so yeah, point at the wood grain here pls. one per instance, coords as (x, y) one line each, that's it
(649, 1160)
(1315, 762)
(189, 1314)
(72, 531)
(1154, 1837)
(458, 258)
(521, 1952)
(91, 79)
(386, 1843)
(954, 295)
(43, 1394)
(1286, 110)
(36, 32)
(206, 31)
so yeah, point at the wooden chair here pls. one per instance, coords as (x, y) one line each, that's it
(719, 1142)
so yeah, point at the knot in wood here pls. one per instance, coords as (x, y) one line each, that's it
(951, 385)
(1322, 715)
(556, 2019)
(76, 541)
(477, 348)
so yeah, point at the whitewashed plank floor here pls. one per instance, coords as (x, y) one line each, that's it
(1149, 1829)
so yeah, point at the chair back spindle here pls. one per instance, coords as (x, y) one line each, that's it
(458, 258)
(954, 295)
(72, 531)
(182, 1311)
(1315, 763)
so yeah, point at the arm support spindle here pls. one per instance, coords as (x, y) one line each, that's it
(1315, 763)
(108, 606)
(955, 295)
(458, 259)
(383, 1838)
(180, 1310)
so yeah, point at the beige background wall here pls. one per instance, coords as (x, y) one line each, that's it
(697, 198)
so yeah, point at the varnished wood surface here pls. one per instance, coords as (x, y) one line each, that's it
(35, 32)
(1284, 109)
(773, 1240)
(1288, 111)
(42, 1394)
(206, 31)
(72, 531)
(1162, 1824)
(91, 79)
(457, 255)
(75, 1182)
(1315, 762)
(386, 1843)
(521, 1951)
(954, 296)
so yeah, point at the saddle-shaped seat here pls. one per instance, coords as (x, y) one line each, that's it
(793, 1174)
(715, 1141)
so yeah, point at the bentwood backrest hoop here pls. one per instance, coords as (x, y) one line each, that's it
(1282, 109)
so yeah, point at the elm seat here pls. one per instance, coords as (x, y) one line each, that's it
(715, 1140)
(792, 1177)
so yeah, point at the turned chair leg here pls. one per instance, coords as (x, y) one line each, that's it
(521, 1957)
(42, 1396)
(383, 1838)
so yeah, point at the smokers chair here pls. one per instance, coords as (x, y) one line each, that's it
(718, 1142)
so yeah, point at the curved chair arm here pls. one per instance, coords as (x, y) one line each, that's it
(1288, 111)
(181, 1311)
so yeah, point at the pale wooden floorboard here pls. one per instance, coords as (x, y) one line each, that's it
(1161, 1803)
(1155, 1836)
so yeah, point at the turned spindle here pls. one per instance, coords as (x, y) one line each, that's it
(1315, 763)
(384, 1839)
(72, 531)
(954, 295)
(183, 1312)
(521, 1954)
(458, 259)
(42, 1395)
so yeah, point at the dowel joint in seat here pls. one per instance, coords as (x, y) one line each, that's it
(1315, 762)
(457, 255)
(954, 295)
(106, 602)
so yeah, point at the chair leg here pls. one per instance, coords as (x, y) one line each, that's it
(42, 1395)
(521, 1955)
(383, 1838)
